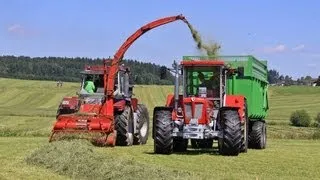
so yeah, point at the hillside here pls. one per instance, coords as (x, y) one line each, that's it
(33, 104)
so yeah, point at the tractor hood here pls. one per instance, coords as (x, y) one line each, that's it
(197, 110)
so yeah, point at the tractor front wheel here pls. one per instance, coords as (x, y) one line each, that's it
(142, 125)
(163, 140)
(258, 135)
(230, 141)
(123, 126)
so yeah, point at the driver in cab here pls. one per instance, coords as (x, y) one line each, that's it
(211, 85)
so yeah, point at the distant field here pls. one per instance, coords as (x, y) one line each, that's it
(284, 100)
(28, 109)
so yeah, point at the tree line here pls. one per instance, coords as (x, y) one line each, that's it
(274, 77)
(68, 69)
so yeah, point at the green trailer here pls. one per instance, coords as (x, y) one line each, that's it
(252, 83)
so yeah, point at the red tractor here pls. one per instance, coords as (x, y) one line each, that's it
(82, 113)
(213, 105)
(110, 110)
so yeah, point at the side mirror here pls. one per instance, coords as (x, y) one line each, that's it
(240, 71)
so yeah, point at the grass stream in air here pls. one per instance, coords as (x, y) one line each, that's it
(210, 48)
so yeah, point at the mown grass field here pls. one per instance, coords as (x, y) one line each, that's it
(28, 109)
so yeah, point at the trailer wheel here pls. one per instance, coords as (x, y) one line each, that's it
(142, 125)
(230, 142)
(123, 126)
(258, 135)
(245, 130)
(163, 140)
(180, 144)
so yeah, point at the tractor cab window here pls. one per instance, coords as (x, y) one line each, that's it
(202, 81)
(123, 88)
(92, 83)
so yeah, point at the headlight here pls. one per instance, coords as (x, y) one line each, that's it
(65, 102)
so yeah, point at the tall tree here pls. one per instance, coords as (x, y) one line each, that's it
(273, 76)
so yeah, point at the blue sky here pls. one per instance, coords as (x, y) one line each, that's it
(286, 33)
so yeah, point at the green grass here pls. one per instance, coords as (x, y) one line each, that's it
(28, 110)
(284, 100)
(13, 151)
(80, 159)
(283, 159)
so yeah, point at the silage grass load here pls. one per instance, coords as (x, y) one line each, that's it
(211, 48)
(78, 159)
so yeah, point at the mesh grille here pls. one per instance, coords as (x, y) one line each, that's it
(188, 110)
(198, 111)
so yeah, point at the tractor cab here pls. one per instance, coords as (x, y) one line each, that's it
(204, 79)
(95, 74)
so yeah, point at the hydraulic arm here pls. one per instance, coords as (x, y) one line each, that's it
(114, 67)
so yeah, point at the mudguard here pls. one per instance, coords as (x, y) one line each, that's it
(235, 102)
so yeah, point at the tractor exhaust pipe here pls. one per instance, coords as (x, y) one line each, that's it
(176, 85)
(126, 85)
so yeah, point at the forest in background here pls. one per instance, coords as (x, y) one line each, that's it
(68, 69)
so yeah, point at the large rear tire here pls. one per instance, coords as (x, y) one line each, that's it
(258, 135)
(142, 125)
(123, 126)
(230, 142)
(163, 140)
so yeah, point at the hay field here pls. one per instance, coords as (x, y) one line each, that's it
(28, 108)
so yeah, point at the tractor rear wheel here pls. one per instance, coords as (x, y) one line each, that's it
(258, 135)
(142, 125)
(163, 140)
(245, 130)
(230, 142)
(180, 144)
(123, 126)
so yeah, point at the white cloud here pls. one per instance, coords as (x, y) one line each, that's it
(275, 49)
(298, 48)
(16, 28)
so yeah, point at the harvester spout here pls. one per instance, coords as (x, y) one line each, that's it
(125, 46)
(114, 67)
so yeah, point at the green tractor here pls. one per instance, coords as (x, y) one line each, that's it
(215, 98)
